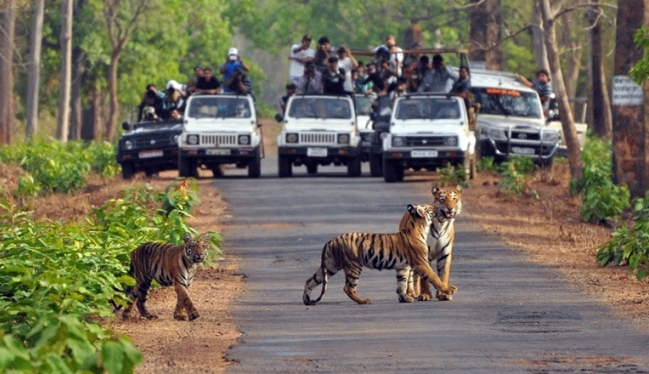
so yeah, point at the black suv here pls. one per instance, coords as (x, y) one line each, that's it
(149, 146)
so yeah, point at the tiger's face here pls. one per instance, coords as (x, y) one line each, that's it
(196, 248)
(424, 213)
(447, 202)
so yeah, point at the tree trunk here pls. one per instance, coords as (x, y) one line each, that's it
(78, 60)
(63, 118)
(112, 91)
(630, 130)
(413, 34)
(34, 69)
(600, 105)
(567, 120)
(484, 32)
(7, 33)
(538, 42)
(573, 55)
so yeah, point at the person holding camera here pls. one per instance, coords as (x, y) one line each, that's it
(325, 50)
(231, 65)
(347, 62)
(153, 99)
(311, 80)
(333, 81)
(300, 54)
(238, 83)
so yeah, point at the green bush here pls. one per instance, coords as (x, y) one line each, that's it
(487, 164)
(603, 201)
(452, 176)
(516, 173)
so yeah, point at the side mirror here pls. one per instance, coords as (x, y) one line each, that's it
(126, 126)
(279, 117)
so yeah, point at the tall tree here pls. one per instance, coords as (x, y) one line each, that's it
(34, 69)
(7, 33)
(63, 117)
(538, 39)
(484, 33)
(630, 122)
(602, 123)
(567, 120)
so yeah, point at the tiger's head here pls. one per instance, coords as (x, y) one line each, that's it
(422, 215)
(447, 202)
(196, 248)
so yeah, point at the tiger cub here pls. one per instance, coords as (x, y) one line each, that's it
(401, 251)
(169, 265)
(448, 204)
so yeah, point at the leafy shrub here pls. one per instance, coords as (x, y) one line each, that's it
(603, 201)
(452, 176)
(630, 244)
(516, 174)
(487, 164)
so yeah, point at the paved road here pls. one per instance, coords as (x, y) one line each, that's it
(508, 316)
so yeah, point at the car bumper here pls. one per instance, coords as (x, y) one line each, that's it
(149, 157)
(505, 149)
(429, 159)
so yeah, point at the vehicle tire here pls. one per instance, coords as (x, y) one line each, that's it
(254, 166)
(312, 169)
(128, 170)
(390, 172)
(354, 167)
(400, 171)
(217, 171)
(376, 165)
(185, 168)
(284, 167)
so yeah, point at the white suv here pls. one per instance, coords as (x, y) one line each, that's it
(428, 131)
(319, 130)
(218, 130)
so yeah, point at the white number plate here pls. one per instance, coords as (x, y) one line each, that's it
(316, 152)
(217, 152)
(430, 153)
(523, 150)
(150, 154)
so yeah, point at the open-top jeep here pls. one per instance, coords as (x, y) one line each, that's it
(428, 131)
(149, 146)
(319, 130)
(218, 130)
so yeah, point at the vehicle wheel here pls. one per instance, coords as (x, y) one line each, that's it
(400, 171)
(187, 168)
(390, 172)
(354, 167)
(284, 167)
(376, 165)
(128, 170)
(254, 166)
(312, 169)
(217, 171)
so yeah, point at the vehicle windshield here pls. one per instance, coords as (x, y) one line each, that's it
(323, 108)
(429, 108)
(218, 107)
(363, 104)
(508, 102)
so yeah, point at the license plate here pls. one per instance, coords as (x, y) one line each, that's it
(150, 154)
(430, 153)
(316, 152)
(523, 150)
(217, 152)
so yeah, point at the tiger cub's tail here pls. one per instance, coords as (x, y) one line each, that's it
(325, 277)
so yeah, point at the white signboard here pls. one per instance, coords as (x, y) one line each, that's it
(626, 92)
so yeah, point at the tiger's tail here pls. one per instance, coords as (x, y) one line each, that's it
(325, 278)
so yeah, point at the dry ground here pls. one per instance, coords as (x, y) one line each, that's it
(546, 230)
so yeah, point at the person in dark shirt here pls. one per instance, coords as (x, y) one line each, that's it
(153, 99)
(541, 85)
(462, 86)
(333, 80)
(290, 91)
(322, 54)
(378, 86)
(239, 83)
(208, 84)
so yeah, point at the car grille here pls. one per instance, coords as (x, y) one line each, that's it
(155, 141)
(219, 140)
(424, 141)
(317, 138)
(525, 135)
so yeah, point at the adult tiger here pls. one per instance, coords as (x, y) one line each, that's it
(401, 251)
(448, 204)
(169, 265)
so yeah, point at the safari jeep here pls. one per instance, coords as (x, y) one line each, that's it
(511, 121)
(428, 131)
(218, 130)
(319, 130)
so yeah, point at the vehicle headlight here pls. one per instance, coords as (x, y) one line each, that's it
(175, 139)
(128, 144)
(244, 139)
(397, 141)
(383, 135)
(291, 138)
(492, 133)
(451, 141)
(551, 136)
(192, 139)
(343, 138)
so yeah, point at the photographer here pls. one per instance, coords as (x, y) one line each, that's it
(347, 62)
(311, 80)
(238, 83)
(231, 64)
(333, 81)
(154, 99)
(325, 50)
(300, 54)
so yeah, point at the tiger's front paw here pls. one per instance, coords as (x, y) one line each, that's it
(193, 315)
(364, 301)
(443, 297)
(406, 299)
(180, 316)
(425, 297)
(149, 316)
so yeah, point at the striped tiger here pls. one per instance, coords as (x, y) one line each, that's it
(169, 265)
(448, 204)
(401, 251)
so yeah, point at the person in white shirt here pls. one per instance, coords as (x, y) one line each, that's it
(300, 54)
(396, 54)
(347, 61)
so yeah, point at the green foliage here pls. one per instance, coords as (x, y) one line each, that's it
(603, 201)
(488, 164)
(452, 176)
(57, 277)
(516, 173)
(640, 71)
(630, 244)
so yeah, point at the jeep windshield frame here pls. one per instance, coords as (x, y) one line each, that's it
(508, 102)
(219, 106)
(324, 108)
(427, 108)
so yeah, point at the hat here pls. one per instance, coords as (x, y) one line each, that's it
(150, 110)
(232, 53)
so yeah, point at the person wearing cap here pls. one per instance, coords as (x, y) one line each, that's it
(311, 81)
(175, 96)
(347, 62)
(333, 80)
(153, 99)
(301, 53)
(325, 50)
(290, 91)
(230, 65)
(439, 79)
